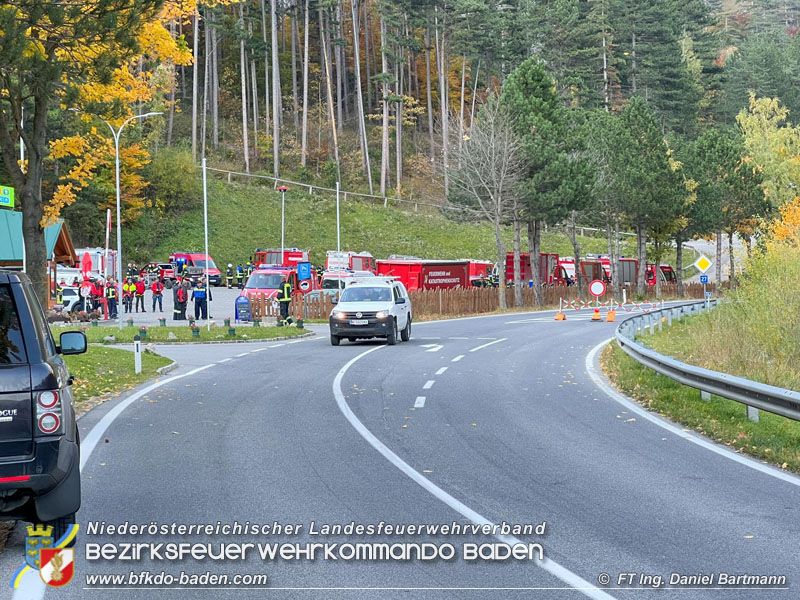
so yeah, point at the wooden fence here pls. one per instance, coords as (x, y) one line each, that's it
(458, 301)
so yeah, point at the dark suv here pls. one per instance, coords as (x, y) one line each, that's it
(39, 443)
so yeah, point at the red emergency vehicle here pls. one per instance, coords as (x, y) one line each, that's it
(417, 274)
(266, 281)
(480, 271)
(194, 265)
(549, 273)
(272, 257)
(348, 260)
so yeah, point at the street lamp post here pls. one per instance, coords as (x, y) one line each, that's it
(283, 189)
(117, 133)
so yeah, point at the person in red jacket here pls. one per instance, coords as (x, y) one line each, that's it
(140, 294)
(158, 292)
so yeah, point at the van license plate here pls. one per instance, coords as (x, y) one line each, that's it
(359, 322)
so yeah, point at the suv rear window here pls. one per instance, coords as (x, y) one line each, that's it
(12, 346)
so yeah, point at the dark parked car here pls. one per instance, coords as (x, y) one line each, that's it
(39, 442)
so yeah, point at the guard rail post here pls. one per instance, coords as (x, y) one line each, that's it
(752, 414)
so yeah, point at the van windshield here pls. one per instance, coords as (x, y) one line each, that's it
(201, 262)
(264, 281)
(12, 348)
(366, 294)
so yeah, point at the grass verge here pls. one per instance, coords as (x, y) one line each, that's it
(106, 371)
(774, 439)
(184, 334)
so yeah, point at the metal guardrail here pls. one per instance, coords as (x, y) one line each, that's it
(750, 393)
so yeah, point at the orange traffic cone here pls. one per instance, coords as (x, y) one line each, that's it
(596, 315)
(560, 316)
(611, 316)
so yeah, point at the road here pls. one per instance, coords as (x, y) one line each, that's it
(492, 419)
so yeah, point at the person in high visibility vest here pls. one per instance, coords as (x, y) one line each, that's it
(229, 276)
(284, 299)
(111, 297)
(60, 292)
(201, 295)
(128, 291)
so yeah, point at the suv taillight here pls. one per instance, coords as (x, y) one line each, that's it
(48, 412)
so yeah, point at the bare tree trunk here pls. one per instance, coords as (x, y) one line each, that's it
(679, 262)
(276, 93)
(367, 53)
(326, 59)
(243, 70)
(731, 258)
(576, 250)
(385, 101)
(501, 262)
(214, 85)
(719, 259)
(337, 57)
(295, 38)
(398, 125)
(254, 84)
(266, 67)
(605, 70)
(461, 109)
(195, 76)
(342, 47)
(304, 135)
(641, 250)
(535, 245)
(517, 250)
(474, 94)
(443, 85)
(430, 100)
(362, 127)
(171, 97)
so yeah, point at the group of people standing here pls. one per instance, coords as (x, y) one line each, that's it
(133, 291)
(183, 291)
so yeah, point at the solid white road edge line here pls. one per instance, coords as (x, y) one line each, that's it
(489, 344)
(32, 587)
(547, 564)
(242, 354)
(592, 367)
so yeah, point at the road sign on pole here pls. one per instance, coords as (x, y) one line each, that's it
(703, 263)
(703, 278)
(597, 288)
(6, 197)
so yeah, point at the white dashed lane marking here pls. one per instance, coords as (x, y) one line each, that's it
(440, 371)
(458, 358)
(420, 402)
(428, 384)
(225, 360)
(242, 354)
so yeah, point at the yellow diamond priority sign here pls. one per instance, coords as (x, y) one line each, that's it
(703, 263)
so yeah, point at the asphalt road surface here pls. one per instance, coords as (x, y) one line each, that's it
(483, 420)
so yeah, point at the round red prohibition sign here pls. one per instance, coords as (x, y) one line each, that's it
(597, 288)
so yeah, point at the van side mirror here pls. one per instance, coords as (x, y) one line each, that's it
(400, 300)
(72, 342)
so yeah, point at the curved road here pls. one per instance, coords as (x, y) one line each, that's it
(496, 417)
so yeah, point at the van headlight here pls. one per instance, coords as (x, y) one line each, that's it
(381, 314)
(338, 315)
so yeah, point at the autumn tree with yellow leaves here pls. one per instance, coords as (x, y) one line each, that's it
(48, 50)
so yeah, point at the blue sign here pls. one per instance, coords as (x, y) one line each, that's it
(243, 309)
(703, 278)
(709, 294)
(303, 270)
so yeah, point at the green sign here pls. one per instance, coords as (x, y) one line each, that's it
(6, 197)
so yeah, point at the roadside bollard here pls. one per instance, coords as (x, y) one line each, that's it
(137, 354)
(705, 396)
(752, 414)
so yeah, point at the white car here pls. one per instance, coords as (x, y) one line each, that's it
(368, 309)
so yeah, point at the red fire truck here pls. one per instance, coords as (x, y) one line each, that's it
(348, 260)
(272, 257)
(549, 273)
(418, 274)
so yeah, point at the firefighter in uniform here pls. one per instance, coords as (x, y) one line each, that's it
(239, 276)
(60, 292)
(201, 295)
(248, 268)
(229, 276)
(111, 297)
(284, 299)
